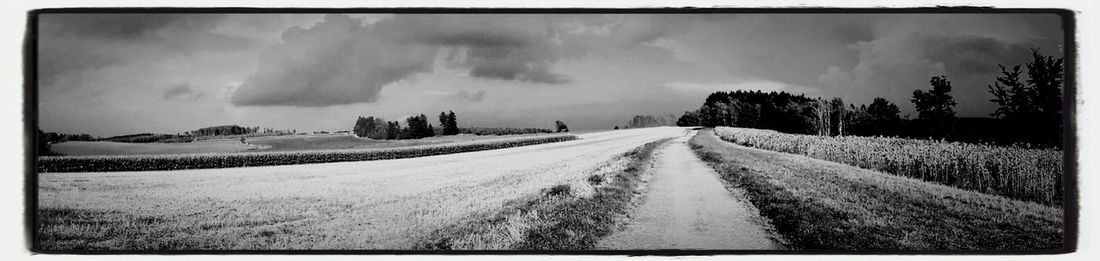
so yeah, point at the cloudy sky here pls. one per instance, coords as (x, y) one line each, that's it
(112, 74)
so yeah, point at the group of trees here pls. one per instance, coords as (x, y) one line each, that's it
(378, 128)
(416, 127)
(755, 109)
(1032, 107)
(643, 121)
(1032, 110)
(449, 123)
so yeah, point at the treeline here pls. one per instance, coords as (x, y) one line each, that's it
(43, 140)
(503, 131)
(1029, 111)
(644, 121)
(416, 127)
(53, 137)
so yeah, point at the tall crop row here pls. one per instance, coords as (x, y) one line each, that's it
(246, 159)
(1025, 174)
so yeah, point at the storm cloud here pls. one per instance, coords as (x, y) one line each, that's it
(344, 60)
(309, 71)
(78, 42)
(181, 92)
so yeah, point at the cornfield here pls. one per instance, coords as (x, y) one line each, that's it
(1018, 173)
(251, 159)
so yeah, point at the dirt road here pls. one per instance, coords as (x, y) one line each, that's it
(687, 207)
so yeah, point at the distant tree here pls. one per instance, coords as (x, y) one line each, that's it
(452, 124)
(393, 130)
(43, 144)
(935, 107)
(1033, 109)
(690, 118)
(884, 117)
(616, 127)
(561, 126)
(838, 116)
(362, 126)
(444, 122)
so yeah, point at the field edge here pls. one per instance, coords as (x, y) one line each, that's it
(556, 218)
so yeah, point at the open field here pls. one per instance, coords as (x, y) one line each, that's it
(386, 204)
(817, 204)
(124, 148)
(1019, 173)
(261, 143)
(246, 159)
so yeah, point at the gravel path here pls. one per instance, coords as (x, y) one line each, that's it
(687, 207)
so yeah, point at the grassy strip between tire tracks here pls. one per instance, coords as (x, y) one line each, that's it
(252, 159)
(558, 218)
(823, 205)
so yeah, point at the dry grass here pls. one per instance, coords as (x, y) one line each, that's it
(818, 204)
(389, 204)
(558, 218)
(1026, 174)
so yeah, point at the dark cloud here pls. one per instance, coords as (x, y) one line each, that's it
(337, 61)
(342, 60)
(76, 42)
(466, 96)
(181, 92)
(124, 26)
(972, 54)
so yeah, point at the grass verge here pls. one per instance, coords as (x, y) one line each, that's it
(561, 217)
(824, 205)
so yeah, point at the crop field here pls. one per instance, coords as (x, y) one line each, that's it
(259, 143)
(123, 148)
(819, 204)
(384, 204)
(229, 160)
(1019, 173)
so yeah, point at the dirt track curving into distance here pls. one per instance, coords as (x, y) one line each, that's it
(687, 207)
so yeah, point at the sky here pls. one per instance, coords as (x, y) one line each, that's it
(114, 74)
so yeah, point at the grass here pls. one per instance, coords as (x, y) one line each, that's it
(230, 160)
(1019, 173)
(558, 218)
(824, 205)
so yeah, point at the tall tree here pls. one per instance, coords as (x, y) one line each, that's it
(443, 122)
(1033, 109)
(839, 113)
(885, 117)
(452, 123)
(936, 107)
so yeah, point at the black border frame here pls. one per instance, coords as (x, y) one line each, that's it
(1071, 201)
